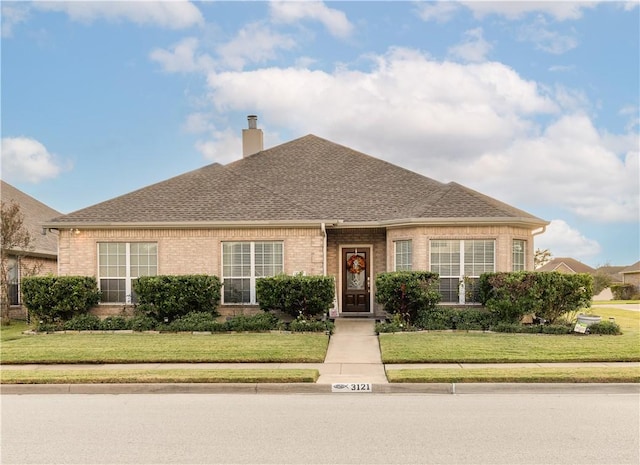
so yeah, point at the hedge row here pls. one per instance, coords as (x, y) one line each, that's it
(52, 298)
(296, 295)
(194, 321)
(407, 293)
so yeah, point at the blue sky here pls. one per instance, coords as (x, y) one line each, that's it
(534, 103)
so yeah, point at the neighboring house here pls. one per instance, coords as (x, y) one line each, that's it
(41, 257)
(631, 275)
(307, 206)
(566, 265)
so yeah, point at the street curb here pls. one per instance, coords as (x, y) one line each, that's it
(309, 388)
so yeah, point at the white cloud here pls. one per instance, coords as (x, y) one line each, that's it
(12, 14)
(559, 10)
(182, 57)
(473, 49)
(254, 43)
(198, 123)
(440, 12)
(546, 39)
(223, 147)
(571, 165)
(564, 241)
(477, 124)
(175, 14)
(25, 159)
(334, 20)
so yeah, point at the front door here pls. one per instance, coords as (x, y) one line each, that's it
(355, 279)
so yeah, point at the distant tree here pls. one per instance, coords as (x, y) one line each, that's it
(541, 258)
(15, 242)
(601, 281)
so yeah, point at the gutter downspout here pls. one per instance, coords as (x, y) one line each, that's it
(323, 228)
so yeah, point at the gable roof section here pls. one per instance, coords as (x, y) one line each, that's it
(635, 268)
(570, 263)
(309, 179)
(35, 214)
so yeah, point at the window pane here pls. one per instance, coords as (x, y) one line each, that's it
(113, 290)
(449, 289)
(403, 255)
(237, 291)
(268, 258)
(518, 255)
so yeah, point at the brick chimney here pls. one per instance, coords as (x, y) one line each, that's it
(252, 138)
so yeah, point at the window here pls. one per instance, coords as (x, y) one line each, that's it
(403, 255)
(120, 263)
(243, 263)
(459, 261)
(12, 280)
(518, 257)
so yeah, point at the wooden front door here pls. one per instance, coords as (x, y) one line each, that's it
(356, 283)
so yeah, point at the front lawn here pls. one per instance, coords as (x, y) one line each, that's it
(160, 348)
(478, 347)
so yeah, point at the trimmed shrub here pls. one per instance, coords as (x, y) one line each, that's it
(114, 323)
(196, 321)
(623, 291)
(549, 295)
(440, 317)
(53, 298)
(296, 295)
(556, 329)
(172, 297)
(142, 323)
(86, 322)
(605, 327)
(406, 293)
(302, 325)
(258, 322)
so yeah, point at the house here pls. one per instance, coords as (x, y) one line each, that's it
(566, 265)
(631, 275)
(41, 257)
(307, 206)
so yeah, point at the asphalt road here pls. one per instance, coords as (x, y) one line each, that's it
(321, 428)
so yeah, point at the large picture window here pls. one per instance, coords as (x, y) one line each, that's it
(121, 263)
(243, 263)
(403, 255)
(461, 261)
(518, 257)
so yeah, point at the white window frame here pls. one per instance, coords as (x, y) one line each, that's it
(519, 257)
(13, 280)
(403, 265)
(462, 264)
(252, 267)
(128, 277)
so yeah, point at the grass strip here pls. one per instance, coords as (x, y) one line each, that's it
(164, 348)
(516, 375)
(159, 376)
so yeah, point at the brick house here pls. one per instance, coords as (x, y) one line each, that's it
(40, 258)
(631, 275)
(307, 206)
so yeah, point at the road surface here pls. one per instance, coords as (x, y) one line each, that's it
(579, 428)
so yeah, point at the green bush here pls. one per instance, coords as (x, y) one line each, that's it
(53, 298)
(115, 323)
(296, 295)
(258, 322)
(406, 293)
(441, 317)
(623, 291)
(196, 321)
(303, 325)
(503, 327)
(172, 297)
(549, 295)
(556, 329)
(142, 323)
(605, 327)
(86, 322)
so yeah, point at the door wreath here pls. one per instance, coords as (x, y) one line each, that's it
(356, 264)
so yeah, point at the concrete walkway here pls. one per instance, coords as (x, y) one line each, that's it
(353, 355)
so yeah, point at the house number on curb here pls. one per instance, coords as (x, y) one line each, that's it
(351, 387)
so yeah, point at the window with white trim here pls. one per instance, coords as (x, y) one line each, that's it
(518, 255)
(461, 261)
(403, 255)
(13, 278)
(121, 263)
(243, 263)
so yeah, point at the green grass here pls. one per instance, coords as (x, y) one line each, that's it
(463, 347)
(159, 348)
(617, 302)
(516, 375)
(158, 376)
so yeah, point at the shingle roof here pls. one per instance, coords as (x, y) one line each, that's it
(35, 214)
(635, 268)
(307, 179)
(571, 263)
